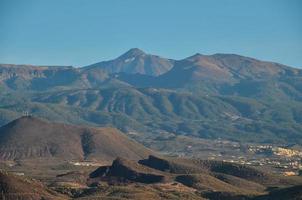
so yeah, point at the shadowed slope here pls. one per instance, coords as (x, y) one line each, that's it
(293, 193)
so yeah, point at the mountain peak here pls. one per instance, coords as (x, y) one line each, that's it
(195, 56)
(135, 61)
(134, 52)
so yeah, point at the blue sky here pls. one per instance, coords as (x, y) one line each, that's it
(78, 32)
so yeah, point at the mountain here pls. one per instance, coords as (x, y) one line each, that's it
(39, 78)
(223, 74)
(227, 74)
(253, 100)
(29, 137)
(228, 68)
(135, 61)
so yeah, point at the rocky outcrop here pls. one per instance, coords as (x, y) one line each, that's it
(127, 170)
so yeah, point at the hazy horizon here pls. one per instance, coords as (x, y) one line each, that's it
(115, 57)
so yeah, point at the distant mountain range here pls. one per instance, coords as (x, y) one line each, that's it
(209, 96)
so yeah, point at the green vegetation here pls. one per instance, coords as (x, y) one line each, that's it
(219, 96)
(148, 110)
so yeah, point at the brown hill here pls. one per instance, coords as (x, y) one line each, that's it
(224, 171)
(15, 187)
(127, 170)
(156, 170)
(212, 179)
(29, 137)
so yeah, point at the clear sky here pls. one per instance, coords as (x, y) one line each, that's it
(81, 32)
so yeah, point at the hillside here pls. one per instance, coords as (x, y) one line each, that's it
(183, 113)
(16, 187)
(254, 101)
(228, 74)
(29, 137)
(294, 193)
(155, 177)
(204, 177)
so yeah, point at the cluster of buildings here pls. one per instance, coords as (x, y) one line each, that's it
(283, 160)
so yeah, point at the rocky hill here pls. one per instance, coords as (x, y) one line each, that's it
(207, 179)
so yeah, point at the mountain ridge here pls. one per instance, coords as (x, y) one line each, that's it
(243, 93)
